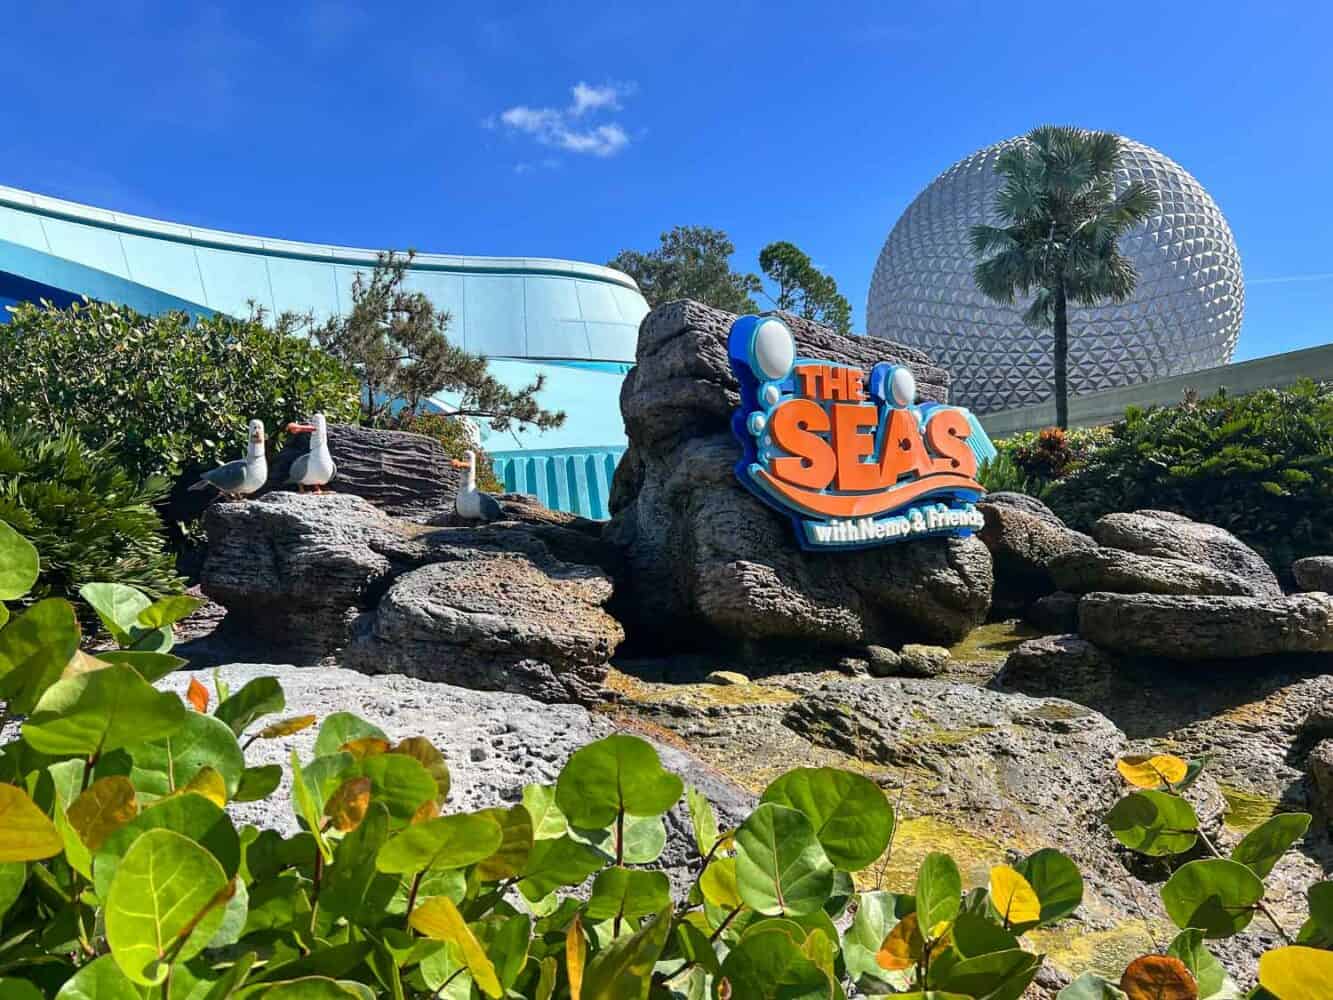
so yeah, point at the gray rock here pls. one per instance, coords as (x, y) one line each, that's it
(294, 570)
(1083, 571)
(406, 475)
(1056, 663)
(1314, 573)
(1024, 502)
(917, 660)
(1024, 541)
(704, 559)
(882, 662)
(494, 620)
(1171, 536)
(495, 743)
(726, 678)
(1320, 766)
(1055, 613)
(1184, 627)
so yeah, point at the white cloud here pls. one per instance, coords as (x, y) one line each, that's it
(567, 128)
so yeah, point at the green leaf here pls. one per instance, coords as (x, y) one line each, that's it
(622, 970)
(191, 815)
(162, 766)
(439, 918)
(1056, 881)
(548, 822)
(1091, 986)
(259, 697)
(1000, 975)
(165, 903)
(1216, 895)
(974, 935)
(151, 667)
(397, 780)
(34, 649)
(645, 838)
(876, 915)
(851, 815)
(258, 783)
(939, 892)
(615, 774)
(13, 877)
(769, 964)
(506, 940)
(308, 808)
(20, 564)
(695, 947)
(117, 605)
(780, 867)
(515, 844)
(702, 819)
(340, 728)
(627, 893)
(441, 843)
(355, 888)
(26, 834)
(556, 863)
(1154, 823)
(167, 611)
(313, 988)
(1264, 846)
(98, 712)
(100, 979)
(1207, 971)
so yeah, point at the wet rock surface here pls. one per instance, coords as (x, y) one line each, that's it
(704, 559)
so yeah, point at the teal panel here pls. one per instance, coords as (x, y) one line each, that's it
(232, 280)
(303, 287)
(555, 324)
(446, 293)
(493, 315)
(87, 245)
(19, 227)
(576, 480)
(165, 265)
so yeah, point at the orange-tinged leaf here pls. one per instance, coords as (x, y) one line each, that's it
(197, 695)
(1013, 897)
(1152, 771)
(208, 783)
(903, 946)
(425, 753)
(1296, 972)
(428, 810)
(286, 727)
(26, 833)
(576, 955)
(367, 746)
(347, 806)
(438, 918)
(82, 663)
(1159, 977)
(101, 809)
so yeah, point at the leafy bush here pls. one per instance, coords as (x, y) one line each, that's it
(453, 436)
(1259, 465)
(166, 395)
(1032, 461)
(90, 519)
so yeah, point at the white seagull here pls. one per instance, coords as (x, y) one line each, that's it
(470, 503)
(245, 475)
(314, 468)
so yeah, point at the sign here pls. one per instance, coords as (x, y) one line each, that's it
(849, 455)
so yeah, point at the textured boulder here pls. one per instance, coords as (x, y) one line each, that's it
(1314, 573)
(1171, 536)
(406, 475)
(508, 617)
(1203, 628)
(1082, 571)
(1320, 766)
(1024, 537)
(495, 743)
(1056, 663)
(1055, 613)
(294, 570)
(705, 559)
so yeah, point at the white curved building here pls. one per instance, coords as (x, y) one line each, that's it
(1184, 315)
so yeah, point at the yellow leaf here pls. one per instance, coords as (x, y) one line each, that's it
(197, 695)
(101, 809)
(367, 746)
(576, 952)
(1013, 897)
(347, 806)
(1158, 977)
(718, 883)
(428, 810)
(286, 727)
(208, 783)
(26, 834)
(1296, 972)
(903, 947)
(438, 918)
(1145, 771)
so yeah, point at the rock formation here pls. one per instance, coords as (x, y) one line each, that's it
(705, 560)
(1314, 573)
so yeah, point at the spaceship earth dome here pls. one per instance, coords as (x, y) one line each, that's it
(1183, 316)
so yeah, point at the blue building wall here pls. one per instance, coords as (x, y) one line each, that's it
(574, 324)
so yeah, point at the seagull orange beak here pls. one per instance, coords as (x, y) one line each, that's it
(457, 464)
(295, 428)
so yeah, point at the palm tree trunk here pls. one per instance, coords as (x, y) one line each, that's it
(1061, 358)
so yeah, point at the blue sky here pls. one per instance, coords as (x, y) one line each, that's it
(576, 129)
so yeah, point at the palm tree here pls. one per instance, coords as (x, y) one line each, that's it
(1062, 220)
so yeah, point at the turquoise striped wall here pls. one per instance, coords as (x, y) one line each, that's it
(577, 480)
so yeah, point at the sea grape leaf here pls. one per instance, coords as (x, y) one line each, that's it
(851, 815)
(616, 774)
(781, 869)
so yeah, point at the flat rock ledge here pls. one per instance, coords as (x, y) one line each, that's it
(1084, 571)
(1182, 627)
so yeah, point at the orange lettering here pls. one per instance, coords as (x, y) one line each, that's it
(903, 451)
(809, 376)
(947, 432)
(856, 385)
(795, 426)
(835, 382)
(851, 445)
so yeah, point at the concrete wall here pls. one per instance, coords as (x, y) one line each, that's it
(1109, 406)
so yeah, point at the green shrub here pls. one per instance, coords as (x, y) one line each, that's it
(1032, 461)
(89, 518)
(166, 395)
(453, 437)
(1259, 465)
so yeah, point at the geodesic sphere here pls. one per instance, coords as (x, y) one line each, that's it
(1184, 314)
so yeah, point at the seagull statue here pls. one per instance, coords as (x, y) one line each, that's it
(471, 504)
(314, 468)
(243, 476)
